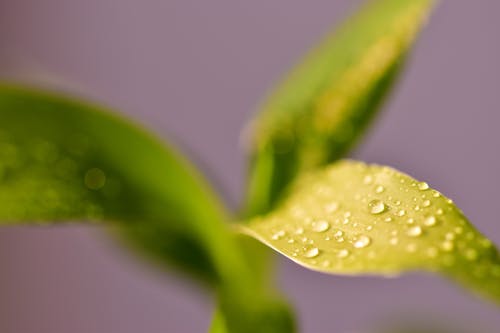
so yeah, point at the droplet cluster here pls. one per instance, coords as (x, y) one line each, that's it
(358, 218)
(46, 180)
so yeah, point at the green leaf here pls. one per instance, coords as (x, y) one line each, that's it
(353, 218)
(62, 160)
(257, 309)
(252, 313)
(319, 110)
(218, 323)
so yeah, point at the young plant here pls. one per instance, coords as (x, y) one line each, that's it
(65, 160)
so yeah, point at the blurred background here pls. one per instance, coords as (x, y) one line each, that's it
(193, 71)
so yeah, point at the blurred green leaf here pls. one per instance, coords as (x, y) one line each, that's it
(252, 313)
(315, 115)
(353, 218)
(218, 323)
(256, 309)
(62, 160)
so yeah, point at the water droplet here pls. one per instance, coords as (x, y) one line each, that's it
(471, 254)
(423, 186)
(430, 221)
(278, 235)
(368, 179)
(326, 263)
(376, 207)
(447, 246)
(95, 179)
(432, 252)
(401, 212)
(379, 189)
(436, 194)
(299, 231)
(388, 219)
(414, 231)
(297, 212)
(347, 214)
(362, 241)
(344, 253)
(410, 220)
(370, 227)
(439, 211)
(312, 252)
(394, 241)
(426, 203)
(458, 230)
(291, 241)
(332, 207)
(339, 236)
(412, 247)
(449, 236)
(320, 226)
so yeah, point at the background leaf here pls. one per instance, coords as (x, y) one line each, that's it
(252, 313)
(62, 160)
(353, 218)
(315, 115)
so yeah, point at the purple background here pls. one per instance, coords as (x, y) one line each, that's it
(195, 70)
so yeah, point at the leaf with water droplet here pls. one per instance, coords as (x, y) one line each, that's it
(383, 233)
(322, 107)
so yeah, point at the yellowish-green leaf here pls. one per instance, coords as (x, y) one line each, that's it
(353, 218)
(315, 115)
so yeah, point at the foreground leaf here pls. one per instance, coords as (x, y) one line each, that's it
(321, 108)
(353, 218)
(61, 160)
